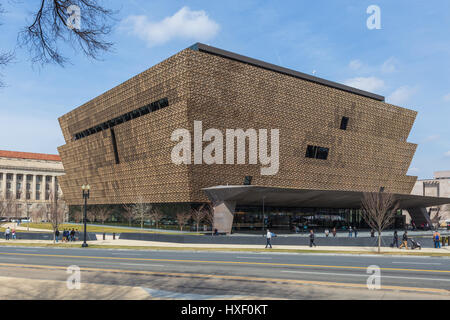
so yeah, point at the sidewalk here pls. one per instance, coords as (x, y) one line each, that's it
(133, 244)
(13, 225)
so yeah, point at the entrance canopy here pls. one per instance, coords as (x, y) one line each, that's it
(254, 196)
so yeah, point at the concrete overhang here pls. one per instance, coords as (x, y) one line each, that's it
(303, 198)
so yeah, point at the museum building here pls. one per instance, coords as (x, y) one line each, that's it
(333, 143)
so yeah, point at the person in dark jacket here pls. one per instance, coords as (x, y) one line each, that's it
(311, 238)
(395, 240)
(404, 241)
(56, 234)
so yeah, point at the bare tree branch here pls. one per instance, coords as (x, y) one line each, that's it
(198, 215)
(51, 26)
(378, 210)
(182, 218)
(156, 215)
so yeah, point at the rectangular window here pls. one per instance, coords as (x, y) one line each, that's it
(311, 151)
(322, 153)
(8, 185)
(9, 176)
(38, 196)
(248, 180)
(344, 123)
(315, 152)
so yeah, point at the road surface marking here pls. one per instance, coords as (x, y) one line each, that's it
(141, 264)
(363, 275)
(430, 263)
(239, 278)
(270, 264)
(265, 258)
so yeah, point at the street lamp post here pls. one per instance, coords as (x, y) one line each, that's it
(86, 189)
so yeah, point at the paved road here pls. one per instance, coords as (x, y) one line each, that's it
(419, 274)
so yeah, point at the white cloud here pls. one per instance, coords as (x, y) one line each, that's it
(365, 83)
(401, 95)
(184, 24)
(355, 64)
(389, 65)
(447, 97)
(430, 138)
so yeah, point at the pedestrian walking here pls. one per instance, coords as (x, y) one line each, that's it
(13, 233)
(334, 232)
(327, 232)
(356, 232)
(437, 239)
(7, 233)
(57, 235)
(350, 231)
(72, 235)
(395, 240)
(404, 241)
(372, 233)
(311, 238)
(268, 238)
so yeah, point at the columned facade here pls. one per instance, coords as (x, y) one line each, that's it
(27, 182)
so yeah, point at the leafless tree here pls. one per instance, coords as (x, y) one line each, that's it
(103, 213)
(378, 210)
(38, 213)
(128, 212)
(182, 218)
(52, 23)
(56, 212)
(3, 206)
(156, 215)
(91, 213)
(5, 57)
(10, 204)
(209, 216)
(142, 211)
(77, 215)
(198, 214)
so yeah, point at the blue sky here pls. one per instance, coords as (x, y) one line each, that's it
(407, 60)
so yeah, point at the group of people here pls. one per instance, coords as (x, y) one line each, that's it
(67, 235)
(10, 233)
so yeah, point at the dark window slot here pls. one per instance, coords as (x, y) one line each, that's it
(315, 152)
(154, 106)
(114, 143)
(344, 123)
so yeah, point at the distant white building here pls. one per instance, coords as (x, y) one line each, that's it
(437, 187)
(28, 180)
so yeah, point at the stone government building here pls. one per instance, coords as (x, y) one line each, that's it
(336, 142)
(437, 187)
(29, 179)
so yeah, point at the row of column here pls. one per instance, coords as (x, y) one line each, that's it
(33, 192)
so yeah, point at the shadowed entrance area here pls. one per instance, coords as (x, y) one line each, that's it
(226, 198)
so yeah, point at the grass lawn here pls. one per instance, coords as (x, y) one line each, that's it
(95, 229)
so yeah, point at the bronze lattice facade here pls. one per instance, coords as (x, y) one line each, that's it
(132, 160)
